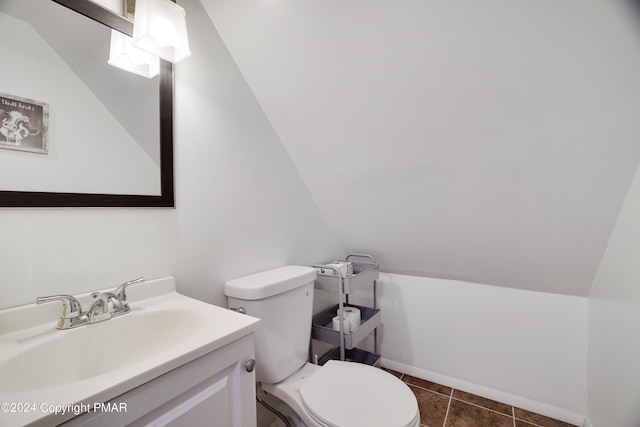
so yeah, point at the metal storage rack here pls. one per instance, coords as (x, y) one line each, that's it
(345, 342)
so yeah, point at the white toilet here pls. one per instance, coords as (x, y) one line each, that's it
(338, 394)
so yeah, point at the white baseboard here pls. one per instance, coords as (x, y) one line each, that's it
(500, 396)
(587, 423)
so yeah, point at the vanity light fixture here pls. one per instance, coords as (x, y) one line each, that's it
(160, 28)
(125, 55)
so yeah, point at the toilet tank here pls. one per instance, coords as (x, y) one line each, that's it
(282, 299)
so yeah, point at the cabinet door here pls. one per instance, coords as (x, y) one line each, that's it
(214, 390)
(207, 404)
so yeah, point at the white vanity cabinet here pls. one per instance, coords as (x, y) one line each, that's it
(213, 390)
(172, 360)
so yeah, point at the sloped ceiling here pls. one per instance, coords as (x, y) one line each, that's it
(489, 141)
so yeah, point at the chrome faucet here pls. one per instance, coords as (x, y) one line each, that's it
(100, 309)
(104, 306)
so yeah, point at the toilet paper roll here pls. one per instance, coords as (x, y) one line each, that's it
(346, 324)
(340, 266)
(353, 314)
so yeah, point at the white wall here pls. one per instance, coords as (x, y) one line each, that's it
(614, 324)
(242, 205)
(71, 251)
(522, 347)
(492, 142)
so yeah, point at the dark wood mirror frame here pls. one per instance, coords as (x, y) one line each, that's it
(28, 199)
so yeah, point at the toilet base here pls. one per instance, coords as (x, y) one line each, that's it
(272, 403)
(287, 392)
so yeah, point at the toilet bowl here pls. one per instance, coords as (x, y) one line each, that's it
(342, 394)
(338, 394)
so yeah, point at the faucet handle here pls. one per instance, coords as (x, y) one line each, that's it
(70, 305)
(121, 291)
(72, 314)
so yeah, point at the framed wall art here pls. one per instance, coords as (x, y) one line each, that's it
(23, 124)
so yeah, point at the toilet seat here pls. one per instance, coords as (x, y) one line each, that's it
(351, 394)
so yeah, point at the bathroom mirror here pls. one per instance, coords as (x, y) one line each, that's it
(94, 135)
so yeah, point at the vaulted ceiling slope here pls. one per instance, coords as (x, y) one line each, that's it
(489, 141)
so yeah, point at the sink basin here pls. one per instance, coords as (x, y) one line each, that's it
(77, 354)
(98, 362)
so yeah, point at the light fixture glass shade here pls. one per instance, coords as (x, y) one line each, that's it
(160, 27)
(123, 54)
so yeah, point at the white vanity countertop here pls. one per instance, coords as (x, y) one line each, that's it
(43, 369)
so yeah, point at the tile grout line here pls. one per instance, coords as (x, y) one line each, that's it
(426, 389)
(448, 406)
(532, 424)
(525, 421)
(513, 410)
(462, 400)
(482, 407)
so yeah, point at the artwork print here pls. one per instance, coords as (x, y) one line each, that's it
(23, 124)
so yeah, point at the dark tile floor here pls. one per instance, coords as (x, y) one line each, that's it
(442, 406)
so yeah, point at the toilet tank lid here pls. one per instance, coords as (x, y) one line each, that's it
(269, 283)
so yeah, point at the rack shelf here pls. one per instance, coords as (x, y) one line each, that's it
(354, 355)
(363, 274)
(330, 279)
(323, 329)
